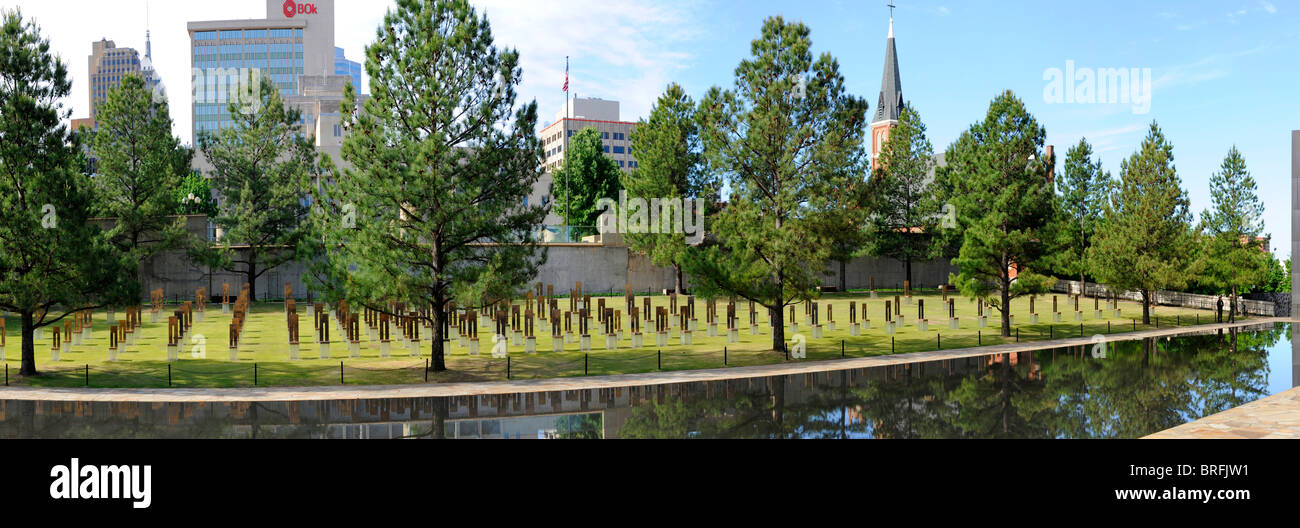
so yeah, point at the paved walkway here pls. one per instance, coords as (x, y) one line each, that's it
(1277, 416)
(559, 384)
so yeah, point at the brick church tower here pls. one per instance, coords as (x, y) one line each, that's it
(891, 98)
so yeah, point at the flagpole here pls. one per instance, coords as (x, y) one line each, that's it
(568, 234)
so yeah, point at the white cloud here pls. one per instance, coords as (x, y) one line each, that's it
(618, 49)
(1268, 6)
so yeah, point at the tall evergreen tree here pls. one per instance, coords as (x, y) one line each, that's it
(139, 171)
(260, 169)
(592, 175)
(785, 138)
(441, 165)
(670, 164)
(53, 261)
(1084, 189)
(1235, 258)
(1003, 199)
(906, 210)
(1145, 241)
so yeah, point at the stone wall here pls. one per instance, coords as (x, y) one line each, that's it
(600, 268)
(1187, 300)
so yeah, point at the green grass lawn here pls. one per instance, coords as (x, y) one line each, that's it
(205, 362)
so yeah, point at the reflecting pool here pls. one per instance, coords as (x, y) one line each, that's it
(1122, 390)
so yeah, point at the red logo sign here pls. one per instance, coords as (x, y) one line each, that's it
(292, 8)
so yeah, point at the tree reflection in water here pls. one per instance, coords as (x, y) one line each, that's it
(1137, 388)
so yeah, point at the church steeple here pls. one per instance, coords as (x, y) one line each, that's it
(890, 104)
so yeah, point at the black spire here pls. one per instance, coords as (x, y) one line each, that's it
(891, 85)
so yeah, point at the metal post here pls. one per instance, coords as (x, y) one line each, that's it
(426, 369)
(661, 359)
(507, 367)
(979, 337)
(341, 373)
(254, 374)
(938, 341)
(7, 374)
(891, 345)
(724, 359)
(87, 374)
(584, 364)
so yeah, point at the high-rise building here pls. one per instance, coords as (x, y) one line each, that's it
(579, 114)
(343, 66)
(107, 65)
(293, 46)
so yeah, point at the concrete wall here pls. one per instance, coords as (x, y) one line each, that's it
(601, 269)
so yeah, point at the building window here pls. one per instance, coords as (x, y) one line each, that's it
(618, 149)
(607, 149)
(338, 130)
(604, 135)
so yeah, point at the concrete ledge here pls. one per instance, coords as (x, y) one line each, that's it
(282, 394)
(1277, 416)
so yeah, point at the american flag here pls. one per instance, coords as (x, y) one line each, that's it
(566, 75)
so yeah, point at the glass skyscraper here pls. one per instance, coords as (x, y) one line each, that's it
(343, 66)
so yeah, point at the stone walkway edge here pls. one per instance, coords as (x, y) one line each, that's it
(328, 393)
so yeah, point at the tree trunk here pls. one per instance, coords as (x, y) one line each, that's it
(252, 279)
(1006, 307)
(677, 276)
(778, 330)
(439, 363)
(29, 346)
(1146, 307)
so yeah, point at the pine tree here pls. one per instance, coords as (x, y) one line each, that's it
(1003, 201)
(139, 171)
(906, 211)
(785, 138)
(53, 261)
(1084, 189)
(1145, 240)
(260, 168)
(670, 164)
(1235, 258)
(441, 165)
(592, 175)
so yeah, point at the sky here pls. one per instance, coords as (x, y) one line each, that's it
(1222, 73)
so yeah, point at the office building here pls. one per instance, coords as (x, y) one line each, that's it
(345, 67)
(107, 65)
(578, 114)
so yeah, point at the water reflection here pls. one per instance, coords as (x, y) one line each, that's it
(1138, 388)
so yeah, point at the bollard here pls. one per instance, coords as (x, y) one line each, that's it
(661, 360)
(979, 337)
(254, 373)
(1017, 335)
(7, 374)
(507, 368)
(584, 364)
(724, 361)
(87, 375)
(891, 345)
(341, 373)
(938, 341)
(426, 369)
